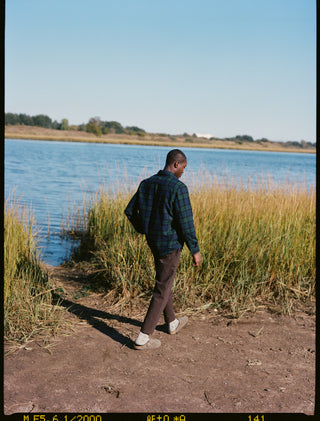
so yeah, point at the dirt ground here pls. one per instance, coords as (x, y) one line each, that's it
(259, 363)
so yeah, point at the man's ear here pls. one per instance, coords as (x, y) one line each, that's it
(176, 164)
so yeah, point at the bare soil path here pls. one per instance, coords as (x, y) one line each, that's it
(260, 363)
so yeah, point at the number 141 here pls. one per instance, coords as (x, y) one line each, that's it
(256, 418)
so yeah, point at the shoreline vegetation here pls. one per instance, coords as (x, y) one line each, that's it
(29, 310)
(257, 244)
(149, 139)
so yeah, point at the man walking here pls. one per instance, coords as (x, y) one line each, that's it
(161, 210)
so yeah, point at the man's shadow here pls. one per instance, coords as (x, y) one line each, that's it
(93, 316)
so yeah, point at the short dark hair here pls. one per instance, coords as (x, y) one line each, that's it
(175, 155)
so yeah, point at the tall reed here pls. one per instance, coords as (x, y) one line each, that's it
(28, 309)
(257, 243)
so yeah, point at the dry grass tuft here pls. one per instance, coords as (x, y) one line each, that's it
(28, 307)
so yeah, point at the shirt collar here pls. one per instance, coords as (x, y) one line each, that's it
(165, 172)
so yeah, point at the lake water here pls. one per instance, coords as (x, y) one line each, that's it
(49, 177)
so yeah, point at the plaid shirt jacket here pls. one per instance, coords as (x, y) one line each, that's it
(161, 210)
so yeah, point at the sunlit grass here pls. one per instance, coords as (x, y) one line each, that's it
(28, 309)
(257, 243)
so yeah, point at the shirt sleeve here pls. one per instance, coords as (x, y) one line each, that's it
(184, 219)
(132, 213)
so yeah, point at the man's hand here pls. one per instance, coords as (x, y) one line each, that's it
(197, 259)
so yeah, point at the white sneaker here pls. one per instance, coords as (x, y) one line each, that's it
(182, 322)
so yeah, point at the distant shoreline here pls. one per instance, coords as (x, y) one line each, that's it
(39, 133)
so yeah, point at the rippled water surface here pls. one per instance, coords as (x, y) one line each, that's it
(50, 177)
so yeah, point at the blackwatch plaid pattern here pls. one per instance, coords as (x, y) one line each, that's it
(161, 210)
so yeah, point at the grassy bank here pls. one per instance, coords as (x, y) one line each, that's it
(40, 133)
(258, 247)
(28, 308)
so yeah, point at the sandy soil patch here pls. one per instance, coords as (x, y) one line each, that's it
(259, 363)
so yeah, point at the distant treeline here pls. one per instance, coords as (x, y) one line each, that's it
(98, 127)
(247, 138)
(94, 125)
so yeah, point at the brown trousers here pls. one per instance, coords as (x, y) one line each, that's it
(162, 300)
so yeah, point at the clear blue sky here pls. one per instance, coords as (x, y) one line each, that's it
(220, 67)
